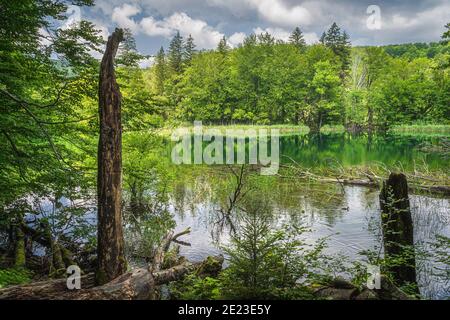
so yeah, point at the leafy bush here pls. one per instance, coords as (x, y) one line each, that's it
(193, 287)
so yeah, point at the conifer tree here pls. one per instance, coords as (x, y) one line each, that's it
(189, 50)
(297, 39)
(339, 42)
(160, 70)
(223, 46)
(175, 55)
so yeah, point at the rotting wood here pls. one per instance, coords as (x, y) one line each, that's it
(110, 241)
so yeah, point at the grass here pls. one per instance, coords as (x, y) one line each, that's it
(14, 276)
(287, 129)
(422, 128)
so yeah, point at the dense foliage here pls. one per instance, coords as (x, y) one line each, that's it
(267, 81)
(49, 129)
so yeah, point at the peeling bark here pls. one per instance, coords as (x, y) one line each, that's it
(111, 256)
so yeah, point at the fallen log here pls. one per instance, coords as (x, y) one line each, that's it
(139, 284)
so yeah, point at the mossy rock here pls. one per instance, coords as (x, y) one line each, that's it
(210, 267)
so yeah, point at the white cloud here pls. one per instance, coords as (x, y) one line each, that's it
(146, 63)
(122, 16)
(103, 30)
(204, 35)
(152, 27)
(278, 13)
(311, 37)
(236, 39)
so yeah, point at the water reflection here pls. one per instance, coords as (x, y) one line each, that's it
(348, 216)
(350, 150)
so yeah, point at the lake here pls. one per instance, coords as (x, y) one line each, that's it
(349, 216)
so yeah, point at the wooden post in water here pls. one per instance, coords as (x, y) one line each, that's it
(110, 250)
(397, 227)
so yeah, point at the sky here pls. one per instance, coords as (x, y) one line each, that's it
(154, 22)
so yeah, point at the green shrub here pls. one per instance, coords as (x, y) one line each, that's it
(14, 276)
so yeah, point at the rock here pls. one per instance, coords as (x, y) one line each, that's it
(389, 291)
(341, 283)
(367, 294)
(331, 293)
(340, 289)
(210, 267)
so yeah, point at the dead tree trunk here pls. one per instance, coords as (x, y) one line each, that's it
(111, 257)
(398, 228)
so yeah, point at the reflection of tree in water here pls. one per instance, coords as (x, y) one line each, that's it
(147, 218)
(179, 199)
(314, 151)
(431, 218)
(299, 203)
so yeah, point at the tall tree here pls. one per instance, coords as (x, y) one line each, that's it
(160, 71)
(322, 38)
(339, 42)
(128, 54)
(297, 39)
(45, 75)
(223, 46)
(189, 50)
(111, 261)
(374, 61)
(176, 54)
(324, 103)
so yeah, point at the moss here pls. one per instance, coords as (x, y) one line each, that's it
(100, 277)
(210, 267)
(20, 258)
(14, 276)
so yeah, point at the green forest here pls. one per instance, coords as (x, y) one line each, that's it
(266, 81)
(354, 120)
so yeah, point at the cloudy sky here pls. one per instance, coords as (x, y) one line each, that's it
(154, 22)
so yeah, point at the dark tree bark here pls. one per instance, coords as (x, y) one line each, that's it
(111, 257)
(398, 227)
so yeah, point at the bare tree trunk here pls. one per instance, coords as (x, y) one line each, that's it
(398, 227)
(111, 257)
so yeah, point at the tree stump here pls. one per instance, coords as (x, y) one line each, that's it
(111, 257)
(397, 227)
